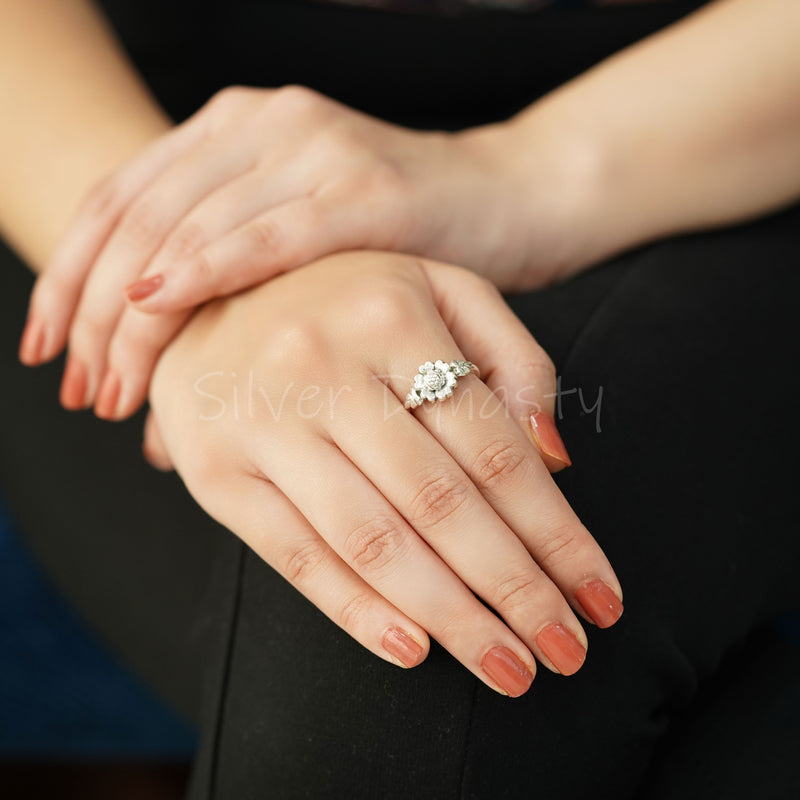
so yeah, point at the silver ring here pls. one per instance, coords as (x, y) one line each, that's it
(436, 381)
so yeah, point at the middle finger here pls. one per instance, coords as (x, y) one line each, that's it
(440, 500)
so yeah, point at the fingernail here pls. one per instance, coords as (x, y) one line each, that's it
(105, 406)
(507, 671)
(73, 385)
(30, 345)
(600, 603)
(547, 438)
(399, 644)
(144, 288)
(562, 647)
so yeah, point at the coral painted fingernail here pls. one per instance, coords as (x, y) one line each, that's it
(562, 647)
(406, 650)
(73, 385)
(105, 406)
(547, 438)
(144, 288)
(507, 671)
(30, 345)
(600, 603)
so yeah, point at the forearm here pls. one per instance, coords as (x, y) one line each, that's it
(695, 127)
(72, 109)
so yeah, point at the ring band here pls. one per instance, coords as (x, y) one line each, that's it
(436, 381)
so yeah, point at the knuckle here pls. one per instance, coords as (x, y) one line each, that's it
(227, 97)
(296, 99)
(201, 269)
(132, 344)
(376, 544)
(561, 544)
(141, 223)
(543, 364)
(264, 235)
(295, 343)
(185, 240)
(438, 499)
(387, 308)
(354, 611)
(499, 462)
(537, 361)
(516, 592)
(301, 563)
(102, 200)
(90, 327)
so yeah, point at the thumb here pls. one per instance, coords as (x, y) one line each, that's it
(512, 363)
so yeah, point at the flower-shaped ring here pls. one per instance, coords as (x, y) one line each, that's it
(436, 381)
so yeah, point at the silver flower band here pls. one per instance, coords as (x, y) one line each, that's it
(436, 381)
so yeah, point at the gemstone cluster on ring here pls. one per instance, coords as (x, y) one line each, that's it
(436, 381)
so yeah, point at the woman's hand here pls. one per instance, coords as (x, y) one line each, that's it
(259, 182)
(282, 409)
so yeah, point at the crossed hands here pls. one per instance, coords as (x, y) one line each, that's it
(282, 406)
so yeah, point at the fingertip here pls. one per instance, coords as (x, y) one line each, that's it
(545, 435)
(554, 464)
(601, 604)
(105, 406)
(508, 672)
(565, 652)
(132, 395)
(73, 385)
(404, 649)
(32, 342)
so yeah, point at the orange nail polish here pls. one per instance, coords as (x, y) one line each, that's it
(105, 406)
(562, 647)
(547, 438)
(30, 345)
(507, 671)
(406, 650)
(600, 603)
(73, 385)
(144, 288)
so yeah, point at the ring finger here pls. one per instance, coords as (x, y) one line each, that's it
(440, 501)
(364, 529)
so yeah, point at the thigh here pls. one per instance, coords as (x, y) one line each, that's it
(684, 474)
(127, 545)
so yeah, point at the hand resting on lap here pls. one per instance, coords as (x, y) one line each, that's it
(282, 410)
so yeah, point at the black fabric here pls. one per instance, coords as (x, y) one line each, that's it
(418, 71)
(689, 485)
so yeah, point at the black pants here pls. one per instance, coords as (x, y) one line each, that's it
(684, 473)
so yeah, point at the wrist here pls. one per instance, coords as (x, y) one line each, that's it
(551, 176)
(34, 227)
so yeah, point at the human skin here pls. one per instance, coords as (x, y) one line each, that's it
(676, 133)
(594, 139)
(388, 521)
